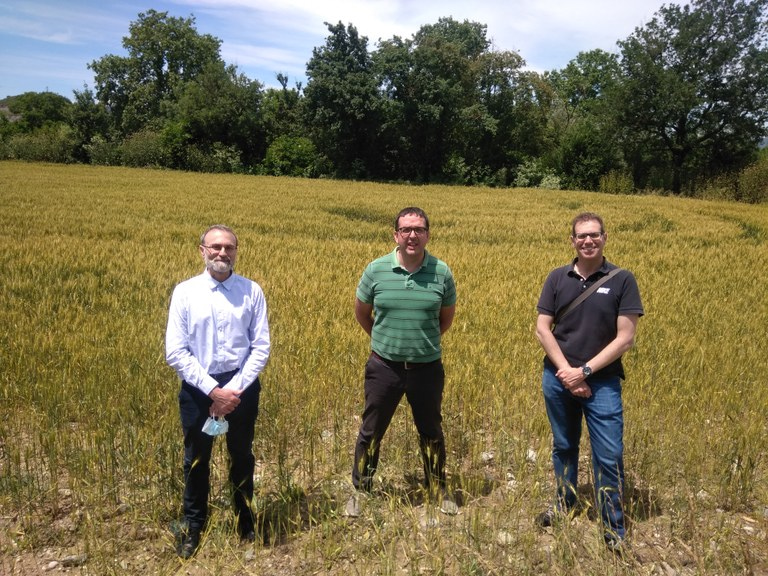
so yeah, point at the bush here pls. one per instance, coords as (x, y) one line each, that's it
(617, 182)
(5, 150)
(550, 181)
(533, 174)
(753, 182)
(226, 158)
(55, 143)
(103, 152)
(291, 156)
(144, 149)
(720, 187)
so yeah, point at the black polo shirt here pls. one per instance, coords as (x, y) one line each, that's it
(591, 326)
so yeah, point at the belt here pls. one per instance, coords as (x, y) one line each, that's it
(403, 365)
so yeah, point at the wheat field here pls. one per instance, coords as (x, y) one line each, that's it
(90, 440)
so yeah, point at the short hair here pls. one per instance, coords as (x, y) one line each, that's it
(587, 217)
(412, 210)
(221, 227)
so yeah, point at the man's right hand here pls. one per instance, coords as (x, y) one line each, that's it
(224, 401)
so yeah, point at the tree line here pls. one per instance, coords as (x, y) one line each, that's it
(681, 107)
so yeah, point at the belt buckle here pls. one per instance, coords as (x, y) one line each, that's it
(406, 366)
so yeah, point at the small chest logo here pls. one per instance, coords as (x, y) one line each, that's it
(603, 290)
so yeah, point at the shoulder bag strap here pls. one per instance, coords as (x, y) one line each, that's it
(584, 295)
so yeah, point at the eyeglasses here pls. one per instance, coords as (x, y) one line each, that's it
(228, 248)
(419, 231)
(585, 235)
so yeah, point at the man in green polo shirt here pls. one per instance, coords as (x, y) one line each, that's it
(405, 301)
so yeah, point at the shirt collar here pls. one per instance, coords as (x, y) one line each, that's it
(602, 271)
(213, 284)
(396, 263)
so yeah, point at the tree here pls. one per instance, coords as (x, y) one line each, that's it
(220, 106)
(89, 120)
(694, 94)
(38, 109)
(342, 101)
(163, 54)
(434, 116)
(282, 110)
(583, 118)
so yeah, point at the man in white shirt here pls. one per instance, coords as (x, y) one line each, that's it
(217, 341)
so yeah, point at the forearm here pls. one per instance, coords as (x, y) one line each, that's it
(612, 352)
(251, 368)
(447, 314)
(180, 358)
(549, 342)
(364, 315)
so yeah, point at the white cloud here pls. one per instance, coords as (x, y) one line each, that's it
(263, 37)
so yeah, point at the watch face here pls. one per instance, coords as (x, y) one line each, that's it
(586, 370)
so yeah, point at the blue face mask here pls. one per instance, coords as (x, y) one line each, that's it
(215, 426)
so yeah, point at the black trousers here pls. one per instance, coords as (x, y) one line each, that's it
(385, 384)
(193, 408)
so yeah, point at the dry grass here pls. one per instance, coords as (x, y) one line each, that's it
(90, 444)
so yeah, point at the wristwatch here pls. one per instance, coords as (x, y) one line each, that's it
(586, 370)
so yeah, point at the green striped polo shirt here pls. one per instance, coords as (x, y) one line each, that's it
(406, 307)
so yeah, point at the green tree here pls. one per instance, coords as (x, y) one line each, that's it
(219, 107)
(432, 81)
(89, 120)
(583, 119)
(519, 102)
(291, 156)
(455, 110)
(39, 109)
(163, 54)
(282, 110)
(694, 95)
(342, 101)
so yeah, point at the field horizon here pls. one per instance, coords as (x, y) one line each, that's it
(90, 440)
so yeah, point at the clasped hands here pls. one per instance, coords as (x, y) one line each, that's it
(224, 401)
(573, 380)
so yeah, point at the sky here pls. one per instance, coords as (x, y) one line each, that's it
(46, 45)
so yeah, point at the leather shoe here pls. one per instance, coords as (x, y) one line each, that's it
(189, 545)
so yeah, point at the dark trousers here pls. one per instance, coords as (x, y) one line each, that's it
(385, 384)
(193, 407)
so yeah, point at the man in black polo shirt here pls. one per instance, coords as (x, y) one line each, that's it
(583, 371)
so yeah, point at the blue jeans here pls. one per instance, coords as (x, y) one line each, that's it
(604, 415)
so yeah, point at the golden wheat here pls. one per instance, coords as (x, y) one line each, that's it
(90, 445)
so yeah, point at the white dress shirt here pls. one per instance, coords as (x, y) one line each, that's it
(216, 327)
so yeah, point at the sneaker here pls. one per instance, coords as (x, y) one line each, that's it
(448, 506)
(354, 506)
(618, 546)
(546, 518)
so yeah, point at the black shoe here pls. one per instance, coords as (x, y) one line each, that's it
(249, 537)
(189, 544)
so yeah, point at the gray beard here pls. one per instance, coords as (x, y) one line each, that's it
(218, 266)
